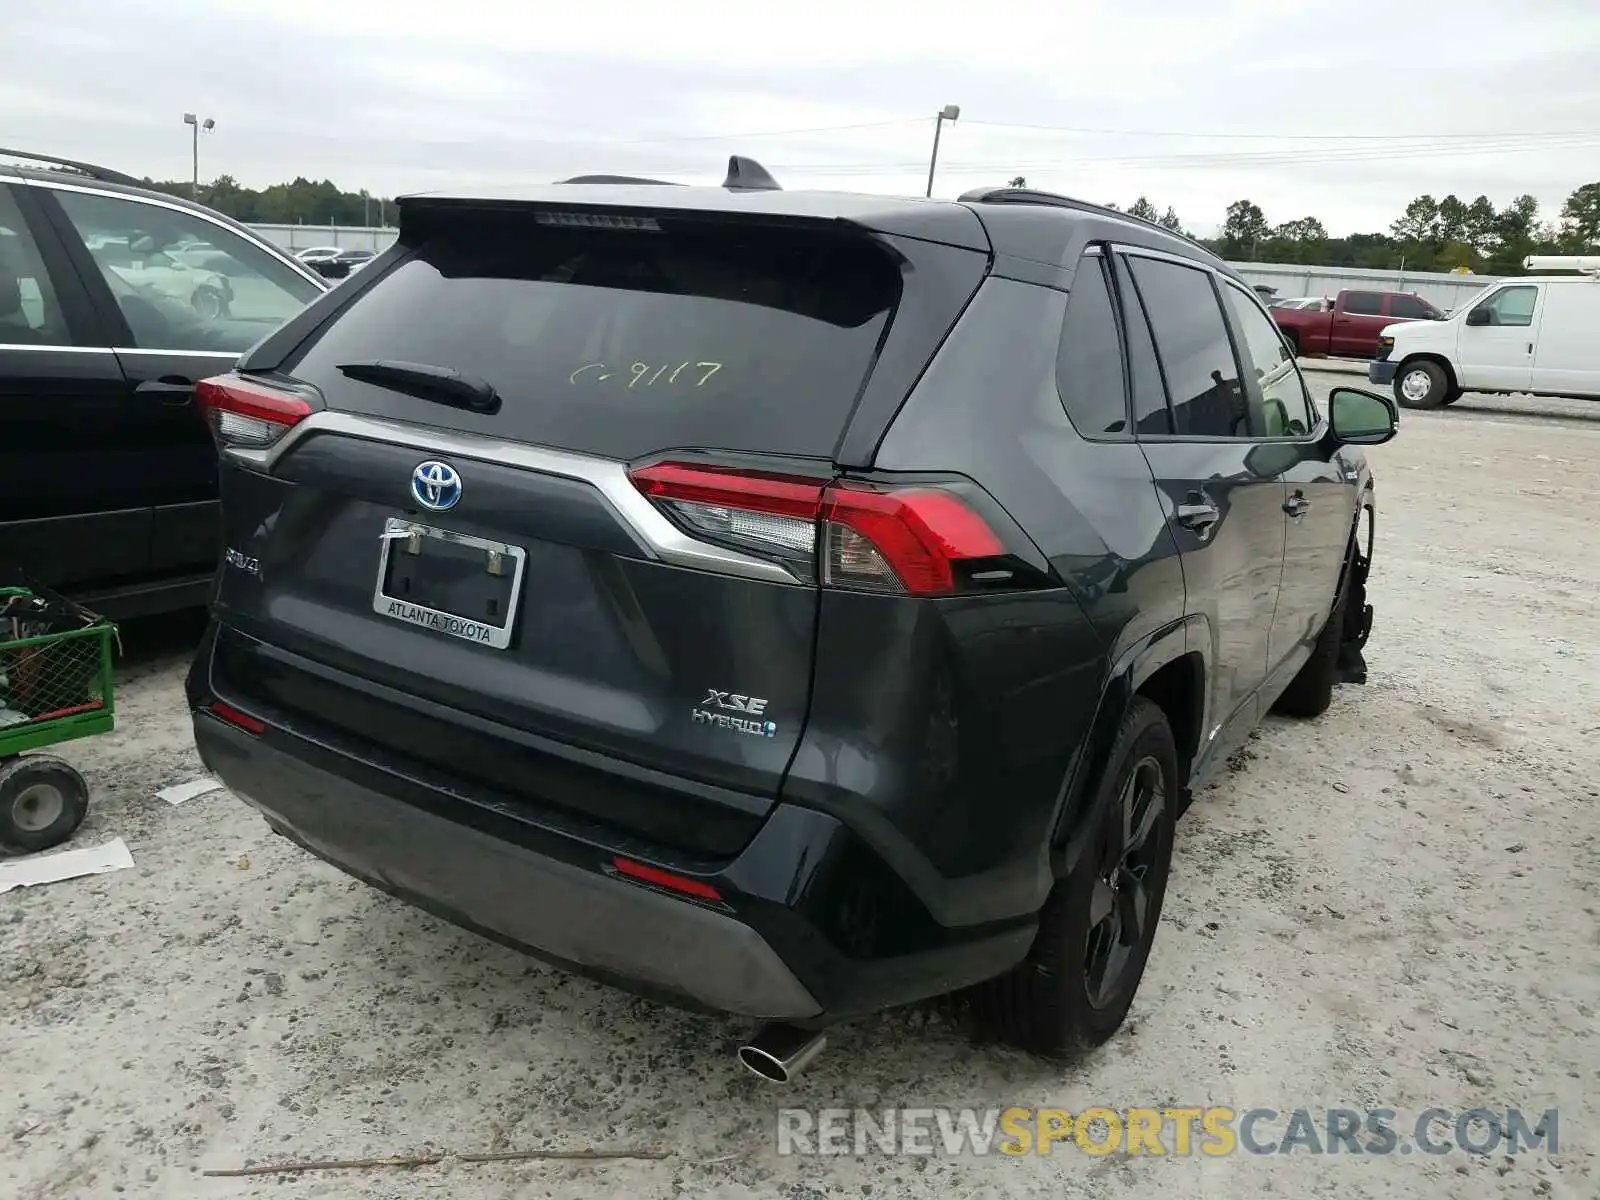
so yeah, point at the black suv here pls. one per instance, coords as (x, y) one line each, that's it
(791, 604)
(114, 301)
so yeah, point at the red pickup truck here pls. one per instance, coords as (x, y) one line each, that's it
(1348, 326)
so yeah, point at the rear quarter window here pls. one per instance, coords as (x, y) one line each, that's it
(623, 342)
(1089, 372)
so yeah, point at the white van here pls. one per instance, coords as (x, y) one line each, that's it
(1539, 334)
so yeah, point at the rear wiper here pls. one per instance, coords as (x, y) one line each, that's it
(427, 382)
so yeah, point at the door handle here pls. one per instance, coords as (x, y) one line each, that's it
(176, 392)
(1197, 513)
(1296, 505)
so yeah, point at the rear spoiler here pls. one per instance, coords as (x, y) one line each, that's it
(749, 193)
(637, 205)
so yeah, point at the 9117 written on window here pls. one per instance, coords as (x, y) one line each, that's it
(181, 281)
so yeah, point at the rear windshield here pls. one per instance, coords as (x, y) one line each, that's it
(622, 342)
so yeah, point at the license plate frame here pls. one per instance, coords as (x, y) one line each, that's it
(466, 629)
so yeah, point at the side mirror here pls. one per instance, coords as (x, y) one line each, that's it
(1478, 316)
(1358, 418)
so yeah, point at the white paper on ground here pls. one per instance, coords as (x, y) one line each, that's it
(68, 864)
(179, 792)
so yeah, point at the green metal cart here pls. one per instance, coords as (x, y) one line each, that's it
(56, 684)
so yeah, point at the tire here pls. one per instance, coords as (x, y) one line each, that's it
(42, 802)
(1311, 690)
(1073, 990)
(1293, 338)
(1421, 385)
(1451, 397)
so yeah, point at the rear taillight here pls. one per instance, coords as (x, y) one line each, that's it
(771, 515)
(907, 539)
(247, 414)
(845, 533)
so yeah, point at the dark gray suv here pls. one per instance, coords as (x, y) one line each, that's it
(789, 604)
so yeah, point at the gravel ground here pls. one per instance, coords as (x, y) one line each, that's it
(1393, 906)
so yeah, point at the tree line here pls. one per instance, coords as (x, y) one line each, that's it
(1431, 235)
(302, 202)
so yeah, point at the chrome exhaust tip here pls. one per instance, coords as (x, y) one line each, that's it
(780, 1052)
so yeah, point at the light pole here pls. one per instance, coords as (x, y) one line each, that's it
(197, 125)
(948, 113)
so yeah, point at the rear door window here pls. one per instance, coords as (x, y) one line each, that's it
(1208, 399)
(1363, 303)
(625, 341)
(29, 314)
(1151, 413)
(182, 282)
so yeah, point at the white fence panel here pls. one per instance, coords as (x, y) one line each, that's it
(1446, 291)
(346, 237)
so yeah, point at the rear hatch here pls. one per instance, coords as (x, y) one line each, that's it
(482, 554)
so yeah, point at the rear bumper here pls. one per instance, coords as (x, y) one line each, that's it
(1381, 371)
(582, 919)
(815, 925)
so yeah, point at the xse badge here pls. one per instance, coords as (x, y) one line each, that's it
(735, 712)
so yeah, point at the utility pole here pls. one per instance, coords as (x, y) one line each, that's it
(196, 125)
(948, 113)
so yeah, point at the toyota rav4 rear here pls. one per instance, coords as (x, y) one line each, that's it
(561, 598)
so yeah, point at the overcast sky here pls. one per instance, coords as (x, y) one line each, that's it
(1342, 110)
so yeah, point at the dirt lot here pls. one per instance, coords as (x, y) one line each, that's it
(1394, 906)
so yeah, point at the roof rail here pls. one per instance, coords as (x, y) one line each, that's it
(1012, 195)
(620, 179)
(103, 174)
(746, 174)
(1587, 264)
